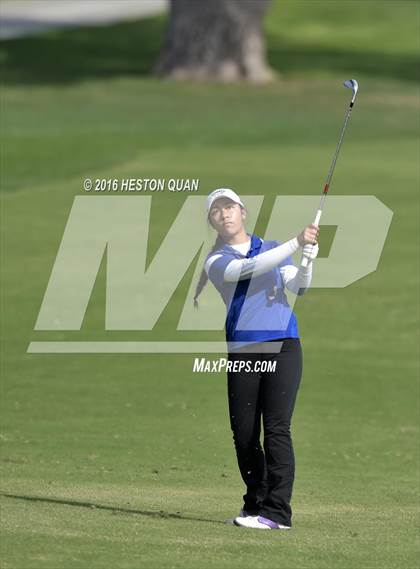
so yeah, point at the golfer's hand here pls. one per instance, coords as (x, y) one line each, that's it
(308, 235)
(310, 251)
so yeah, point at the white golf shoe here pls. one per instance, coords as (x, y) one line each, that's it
(258, 522)
(242, 514)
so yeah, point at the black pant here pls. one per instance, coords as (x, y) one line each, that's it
(268, 474)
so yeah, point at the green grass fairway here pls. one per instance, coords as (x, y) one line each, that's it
(127, 461)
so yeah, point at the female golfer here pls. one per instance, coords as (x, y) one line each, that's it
(264, 352)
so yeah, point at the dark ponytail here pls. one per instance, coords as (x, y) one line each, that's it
(202, 281)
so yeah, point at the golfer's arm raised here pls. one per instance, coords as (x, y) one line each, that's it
(298, 280)
(241, 269)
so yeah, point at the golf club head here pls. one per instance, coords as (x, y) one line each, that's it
(353, 85)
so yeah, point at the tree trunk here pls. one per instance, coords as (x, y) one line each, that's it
(215, 40)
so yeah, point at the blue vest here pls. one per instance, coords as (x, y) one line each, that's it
(257, 307)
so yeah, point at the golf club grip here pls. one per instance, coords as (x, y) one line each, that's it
(304, 261)
(318, 217)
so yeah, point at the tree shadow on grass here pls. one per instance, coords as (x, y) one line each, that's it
(70, 55)
(113, 509)
(131, 49)
(288, 59)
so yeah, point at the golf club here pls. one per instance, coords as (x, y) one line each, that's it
(353, 85)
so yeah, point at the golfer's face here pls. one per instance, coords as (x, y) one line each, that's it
(226, 217)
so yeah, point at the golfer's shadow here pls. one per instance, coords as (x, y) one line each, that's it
(114, 509)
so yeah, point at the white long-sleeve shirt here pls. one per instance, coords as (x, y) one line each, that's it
(297, 280)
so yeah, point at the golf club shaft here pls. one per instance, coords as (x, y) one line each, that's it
(304, 261)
